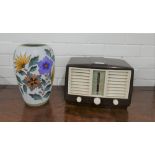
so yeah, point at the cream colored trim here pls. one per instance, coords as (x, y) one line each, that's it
(117, 83)
(91, 82)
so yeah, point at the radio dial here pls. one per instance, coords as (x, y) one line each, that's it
(115, 102)
(79, 99)
(97, 101)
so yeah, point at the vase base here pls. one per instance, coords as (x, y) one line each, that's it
(36, 105)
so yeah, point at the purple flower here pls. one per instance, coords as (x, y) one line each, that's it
(45, 65)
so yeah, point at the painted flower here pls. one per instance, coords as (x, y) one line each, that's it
(45, 65)
(52, 74)
(32, 81)
(21, 61)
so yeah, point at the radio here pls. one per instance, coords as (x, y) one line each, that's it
(97, 81)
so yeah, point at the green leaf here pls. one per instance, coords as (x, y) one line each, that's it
(47, 94)
(33, 61)
(36, 96)
(53, 57)
(22, 72)
(33, 68)
(48, 87)
(48, 52)
(18, 79)
(43, 82)
(25, 88)
(21, 90)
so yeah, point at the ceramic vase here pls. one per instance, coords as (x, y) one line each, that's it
(34, 69)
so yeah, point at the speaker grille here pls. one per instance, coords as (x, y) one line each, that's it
(114, 84)
(117, 84)
(79, 81)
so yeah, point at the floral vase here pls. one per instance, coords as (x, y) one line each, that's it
(34, 69)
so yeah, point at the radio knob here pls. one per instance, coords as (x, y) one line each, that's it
(78, 99)
(115, 102)
(97, 101)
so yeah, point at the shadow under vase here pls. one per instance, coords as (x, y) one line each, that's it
(37, 114)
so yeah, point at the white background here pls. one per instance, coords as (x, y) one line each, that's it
(37, 16)
(137, 49)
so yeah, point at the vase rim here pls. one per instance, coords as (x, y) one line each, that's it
(33, 45)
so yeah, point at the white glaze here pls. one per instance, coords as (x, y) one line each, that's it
(40, 53)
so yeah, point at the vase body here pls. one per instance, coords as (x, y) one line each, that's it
(34, 68)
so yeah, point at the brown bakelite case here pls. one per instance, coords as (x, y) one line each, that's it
(101, 64)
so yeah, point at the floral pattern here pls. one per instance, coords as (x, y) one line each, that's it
(21, 61)
(45, 65)
(32, 81)
(34, 74)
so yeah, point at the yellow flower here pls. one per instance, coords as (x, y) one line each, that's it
(21, 61)
(53, 72)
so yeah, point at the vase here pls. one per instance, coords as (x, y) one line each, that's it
(34, 70)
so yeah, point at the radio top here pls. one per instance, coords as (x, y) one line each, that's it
(98, 62)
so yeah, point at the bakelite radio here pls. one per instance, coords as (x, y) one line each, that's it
(97, 81)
